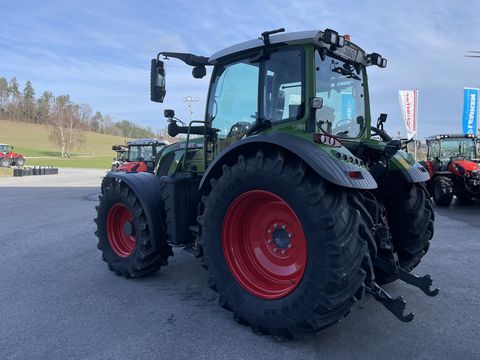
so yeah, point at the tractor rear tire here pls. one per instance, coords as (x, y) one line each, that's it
(284, 247)
(442, 190)
(19, 161)
(410, 218)
(123, 232)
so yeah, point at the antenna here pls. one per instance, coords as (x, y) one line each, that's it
(265, 36)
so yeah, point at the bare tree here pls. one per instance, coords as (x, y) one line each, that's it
(75, 127)
(66, 124)
(57, 120)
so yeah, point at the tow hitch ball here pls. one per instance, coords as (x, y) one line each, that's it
(397, 305)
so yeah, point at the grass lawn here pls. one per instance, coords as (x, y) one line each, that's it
(98, 162)
(32, 140)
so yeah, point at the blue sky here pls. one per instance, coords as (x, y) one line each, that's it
(99, 51)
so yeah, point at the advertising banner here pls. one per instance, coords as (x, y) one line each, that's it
(409, 105)
(470, 110)
(348, 106)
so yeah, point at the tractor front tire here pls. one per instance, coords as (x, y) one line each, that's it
(4, 162)
(124, 235)
(442, 190)
(284, 247)
(410, 218)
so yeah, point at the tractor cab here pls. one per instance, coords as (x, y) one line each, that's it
(447, 148)
(301, 83)
(120, 155)
(452, 161)
(141, 155)
(5, 149)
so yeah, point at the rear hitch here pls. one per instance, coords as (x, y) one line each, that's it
(395, 305)
(422, 282)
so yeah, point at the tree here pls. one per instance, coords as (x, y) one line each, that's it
(85, 113)
(3, 97)
(14, 99)
(28, 103)
(44, 106)
(75, 126)
(96, 122)
(107, 123)
(67, 129)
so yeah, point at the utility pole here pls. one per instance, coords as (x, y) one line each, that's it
(189, 100)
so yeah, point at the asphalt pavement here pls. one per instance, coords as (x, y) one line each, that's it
(59, 301)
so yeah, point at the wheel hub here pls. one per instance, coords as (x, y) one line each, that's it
(264, 244)
(281, 238)
(128, 228)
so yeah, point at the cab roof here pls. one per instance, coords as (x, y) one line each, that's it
(449, 136)
(291, 38)
(148, 141)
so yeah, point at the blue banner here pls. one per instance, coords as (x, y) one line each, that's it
(348, 106)
(470, 110)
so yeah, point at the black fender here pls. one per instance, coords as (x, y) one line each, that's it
(146, 187)
(331, 169)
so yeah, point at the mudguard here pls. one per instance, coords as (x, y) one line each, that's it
(326, 165)
(146, 187)
(413, 171)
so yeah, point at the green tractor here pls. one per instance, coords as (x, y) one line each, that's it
(295, 203)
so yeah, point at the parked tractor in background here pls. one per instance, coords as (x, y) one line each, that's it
(453, 164)
(120, 156)
(142, 155)
(9, 158)
(294, 208)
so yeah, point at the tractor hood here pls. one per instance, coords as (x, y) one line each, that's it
(12, 155)
(467, 165)
(136, 166)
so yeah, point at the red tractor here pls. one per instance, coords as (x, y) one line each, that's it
(142, 155)
(9, 158)
(120, 155)
(453, 164)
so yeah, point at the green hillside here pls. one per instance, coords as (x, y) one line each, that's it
(33, 142)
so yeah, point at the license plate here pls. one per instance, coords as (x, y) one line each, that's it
(347, 52)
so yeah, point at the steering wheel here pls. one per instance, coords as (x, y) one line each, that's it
(239, 128)
(343, 127)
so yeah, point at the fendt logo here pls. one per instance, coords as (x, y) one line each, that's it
(471, 112)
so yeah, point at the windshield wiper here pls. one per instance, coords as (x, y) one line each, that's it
(346, 72)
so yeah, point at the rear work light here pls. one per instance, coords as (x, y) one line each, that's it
(326, 140)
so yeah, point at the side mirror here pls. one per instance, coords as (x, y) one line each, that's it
(317, 103)
(381, 120)
(169, 113)
(157, 81)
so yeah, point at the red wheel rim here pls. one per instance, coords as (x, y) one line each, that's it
(121, 230)
(264, 244)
